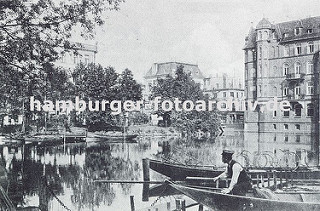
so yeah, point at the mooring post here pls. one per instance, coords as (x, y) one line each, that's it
(146, 169)
(178, 205)
(168, 206)
(274, 180)
(132, 203)
(145, 192)
(200, 207)
(183, 205)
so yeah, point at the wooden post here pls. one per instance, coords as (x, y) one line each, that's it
(268, 175)
(178, 207)
(274, 180)
(258, 183)
(132, 203)
(145, 192)
(217, 184)
(200, 207)
(146, 169)
(168, 206)
(262, 180)
(280, 175)
(183, 205)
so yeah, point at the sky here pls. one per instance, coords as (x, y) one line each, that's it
(209, 33)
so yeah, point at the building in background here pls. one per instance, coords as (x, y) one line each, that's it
(280, 62)
(79, 53)
(222, 87)
(162, 70)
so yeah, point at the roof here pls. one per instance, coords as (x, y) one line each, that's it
(285, 31)
(312, 23)
(264, 24)
(251, 39)
(168, 68)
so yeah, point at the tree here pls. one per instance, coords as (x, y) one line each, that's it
(183, 87)
(93, 82)
(33, 33)
(128, 88)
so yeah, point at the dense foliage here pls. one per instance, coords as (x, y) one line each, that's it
(183, 87)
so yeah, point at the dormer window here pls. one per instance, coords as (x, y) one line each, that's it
(297, 30)
(274, 35)
(309, 31)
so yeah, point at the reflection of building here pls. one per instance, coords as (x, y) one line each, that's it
(279, 62)
(162, 70)
(223, 87)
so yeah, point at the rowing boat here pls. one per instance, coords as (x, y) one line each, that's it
(179, 172)
(216, 200)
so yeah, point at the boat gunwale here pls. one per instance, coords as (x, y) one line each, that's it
(240, 197)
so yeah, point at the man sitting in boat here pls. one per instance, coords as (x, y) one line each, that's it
(240, 180)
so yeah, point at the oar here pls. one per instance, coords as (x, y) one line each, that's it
(128, 181)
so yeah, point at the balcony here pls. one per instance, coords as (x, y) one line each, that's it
(295, 77)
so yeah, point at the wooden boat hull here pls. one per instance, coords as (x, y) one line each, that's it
(180, 172)
(226, 202)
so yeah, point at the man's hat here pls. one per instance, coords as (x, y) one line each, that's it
(227, 152)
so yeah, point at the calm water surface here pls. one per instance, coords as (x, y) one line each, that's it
(60, 178)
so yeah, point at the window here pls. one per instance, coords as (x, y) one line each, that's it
(260, 52)
(260, 36)
(75, 59)
(310, 47)
(285, 126)
(286, 113)
(285, 69)
(310, 89)
(286, 50)
(274, 113)
(273, 51)
(297, 126)
(297, 67)
(217, 85)
(297, 110)
(286, 138)
(285, 34)
(224, 94)
(297, 30)
(297, 90)
(86, 59)
(285, 91)
(309, 67)
(309, 31)
(274, 35)
(231, 94)
(310, 109)
(298, 138)
(274, 126)
(298, 49)
(275, 138)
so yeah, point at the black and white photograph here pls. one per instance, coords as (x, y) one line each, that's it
(159, 105)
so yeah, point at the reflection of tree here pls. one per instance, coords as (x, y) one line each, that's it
(25, 179)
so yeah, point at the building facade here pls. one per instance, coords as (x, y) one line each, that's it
(280, 61)
(162, 70)
(222, 87)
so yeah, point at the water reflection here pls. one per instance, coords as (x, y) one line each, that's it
(58, 177)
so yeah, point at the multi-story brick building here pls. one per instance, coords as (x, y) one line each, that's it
(281, 61)
(222, 87)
